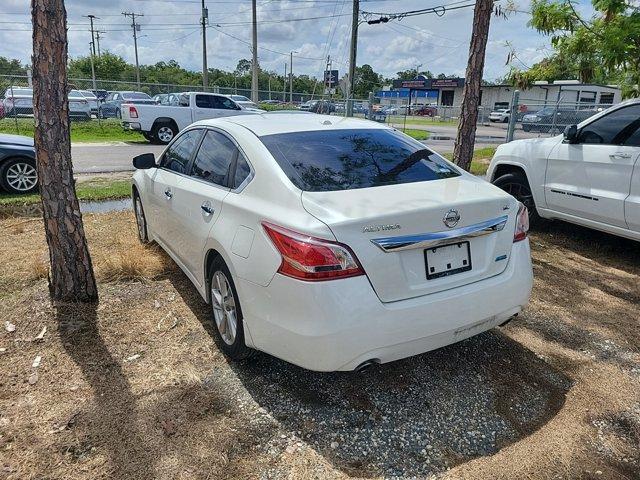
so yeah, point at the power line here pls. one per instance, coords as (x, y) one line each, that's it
(135, 28)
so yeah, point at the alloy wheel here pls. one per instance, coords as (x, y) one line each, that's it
(165, 134)
(521, 192)
(224, 307)
(22, 176)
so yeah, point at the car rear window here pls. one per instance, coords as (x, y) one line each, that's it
(136, 96)
(321, 161)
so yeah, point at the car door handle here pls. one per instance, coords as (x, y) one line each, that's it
(620, 155)
(207, 208)
(168, 193)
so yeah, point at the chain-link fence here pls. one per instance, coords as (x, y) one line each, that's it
(535, 119)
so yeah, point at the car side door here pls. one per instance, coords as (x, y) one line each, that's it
(200, 197)
(590, 177)
(162, 188)
(632, 204)
(204, 107)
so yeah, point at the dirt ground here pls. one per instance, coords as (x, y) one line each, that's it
(135, 387)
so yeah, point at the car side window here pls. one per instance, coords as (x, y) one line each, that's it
(214, 159)
(177, 156)
(242, 171)
(204, 101)
(223, 103)
(612, 129)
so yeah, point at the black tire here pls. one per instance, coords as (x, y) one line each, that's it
(118, 113)
(526, 128)
(141, 219)
(506, 120)
(161, 131)
(17, 175)
(516, 184)
(235, 348)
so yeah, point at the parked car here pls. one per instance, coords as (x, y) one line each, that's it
(159, 123)
(332, 244)
(424, 110)
(245, 103)
(93, 100)
(390, 110)
(379, 116)
(18, 172)
(590, 175)
(159, 98)
(501, 115)
(101, 94)
(79, 106)
(318, 106)
(1, 110)
(18, 101)
(544, 121)
(111, 108)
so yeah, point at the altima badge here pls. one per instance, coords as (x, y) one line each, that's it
(451, 218)
(379, 228)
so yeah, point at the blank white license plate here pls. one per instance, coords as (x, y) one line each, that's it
(447, 260)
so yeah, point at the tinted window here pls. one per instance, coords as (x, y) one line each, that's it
(214, 158)
(136, 96)
(242, 171)
(223, 103)
(203, 101)
(614, 128)
(347, 159)
(178, 155)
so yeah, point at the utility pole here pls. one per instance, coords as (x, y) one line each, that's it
(93, 69)
(328, 70)
(92, 51)
(93, 39)
(284, 83)
(254, 62)
(136, 28)
(291, 78)
(352, 57)
(466, 137)
(205, 69)
(98, 32)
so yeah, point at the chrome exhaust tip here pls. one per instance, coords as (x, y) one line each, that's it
(366, 365)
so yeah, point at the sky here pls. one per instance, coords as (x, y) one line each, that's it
(312, 28)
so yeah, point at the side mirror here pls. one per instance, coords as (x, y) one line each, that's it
(144, 161)
(571, 133)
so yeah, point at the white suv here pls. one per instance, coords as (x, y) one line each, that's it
(590, 175)
(332, 243)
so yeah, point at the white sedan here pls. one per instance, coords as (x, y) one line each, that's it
(501, 116)
(332, 243)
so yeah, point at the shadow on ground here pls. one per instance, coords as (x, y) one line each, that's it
(407, 418)
(112, 421)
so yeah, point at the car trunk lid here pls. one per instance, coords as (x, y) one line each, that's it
(391, 229)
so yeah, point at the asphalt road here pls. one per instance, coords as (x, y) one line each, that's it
(102, 158)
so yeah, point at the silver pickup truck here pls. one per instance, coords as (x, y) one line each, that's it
(159, 123)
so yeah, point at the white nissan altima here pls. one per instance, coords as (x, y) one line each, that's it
(332, 243)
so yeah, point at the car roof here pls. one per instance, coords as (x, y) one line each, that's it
(264, 124)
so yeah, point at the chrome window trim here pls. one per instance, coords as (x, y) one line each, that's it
(428, 240)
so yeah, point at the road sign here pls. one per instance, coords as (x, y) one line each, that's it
(331, 78)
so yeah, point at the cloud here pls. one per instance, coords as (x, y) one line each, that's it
(170, 30)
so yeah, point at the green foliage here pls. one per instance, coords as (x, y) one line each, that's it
(603, 49)
(88, 131)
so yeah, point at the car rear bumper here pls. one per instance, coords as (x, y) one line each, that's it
(340, 324)
(131, 126)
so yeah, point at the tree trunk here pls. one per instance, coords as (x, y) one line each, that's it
(466, 138)
(71, 276)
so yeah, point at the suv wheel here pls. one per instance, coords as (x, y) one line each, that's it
(227, 314)
(19, 175)
(516, 184)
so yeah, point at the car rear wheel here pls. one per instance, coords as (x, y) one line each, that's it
(118, 113)
(516, 184)
(19, 175)
(164, 132)
(227, 314)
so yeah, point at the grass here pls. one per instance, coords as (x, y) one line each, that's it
(399, 120)
(90, 190)
(417, 134)
(481, 159)
(108, 130)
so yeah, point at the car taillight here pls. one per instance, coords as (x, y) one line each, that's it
(522, 224)
(312, 259)
(133, 113)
